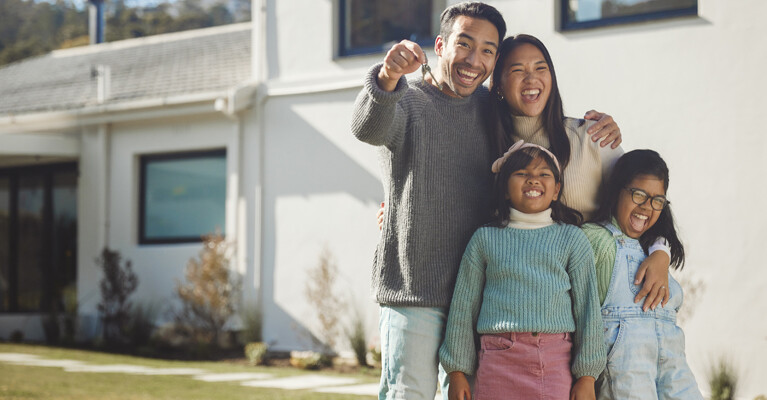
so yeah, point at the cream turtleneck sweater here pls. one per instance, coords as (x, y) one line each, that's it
(520, 220)
(589, 163)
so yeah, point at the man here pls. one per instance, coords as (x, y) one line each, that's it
(435, 155)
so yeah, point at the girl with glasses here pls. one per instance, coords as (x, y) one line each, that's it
(645, 348)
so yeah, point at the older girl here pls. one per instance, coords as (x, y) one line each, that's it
(646, 357)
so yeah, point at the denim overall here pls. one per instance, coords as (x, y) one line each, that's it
(645, 358)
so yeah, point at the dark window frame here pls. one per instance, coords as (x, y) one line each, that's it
(343, 51)
(48, 262)
(567, 25)
(143, 161)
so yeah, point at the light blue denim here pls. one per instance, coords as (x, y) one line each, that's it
(410, 340)
(645, 358)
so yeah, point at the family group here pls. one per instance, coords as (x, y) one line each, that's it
(523, 254)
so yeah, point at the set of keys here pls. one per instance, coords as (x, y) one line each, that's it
(425, 69)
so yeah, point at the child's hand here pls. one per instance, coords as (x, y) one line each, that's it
(654, 271)
(459, 387)
(582, 390)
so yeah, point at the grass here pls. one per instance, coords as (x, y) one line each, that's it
(25, 382)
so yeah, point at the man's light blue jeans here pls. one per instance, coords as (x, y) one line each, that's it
(410, 340)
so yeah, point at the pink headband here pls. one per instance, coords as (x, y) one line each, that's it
(496, 168)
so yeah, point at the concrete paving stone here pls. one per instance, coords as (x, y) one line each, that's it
(14, 357)
(301, 382)
(174, 371)
(370, 389)
(239, 376)
(50, 363)
(110, 368)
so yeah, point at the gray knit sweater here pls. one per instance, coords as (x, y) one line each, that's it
(435, 159)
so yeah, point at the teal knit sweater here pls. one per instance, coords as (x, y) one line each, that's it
(519, 280)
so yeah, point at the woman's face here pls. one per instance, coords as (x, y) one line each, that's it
(635, 219)
(526, 81)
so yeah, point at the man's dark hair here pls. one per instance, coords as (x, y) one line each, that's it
(471, 9)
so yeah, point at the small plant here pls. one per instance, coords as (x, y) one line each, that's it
(722, 380)
(309, 360)
(320, 291)
(255, 352)
(117, 284)
(357, 340)
(252, 320)
(211, 291)
(142, 324)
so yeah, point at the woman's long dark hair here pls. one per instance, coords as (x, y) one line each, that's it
(628, 167)
(553, 116)
(520, 159)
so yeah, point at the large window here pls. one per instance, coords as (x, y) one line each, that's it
(373, 26)
(580, 14)
(183, 196)
(38, 238)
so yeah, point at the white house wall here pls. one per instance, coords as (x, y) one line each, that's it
(158, 266)
(691, 88)
(320, 194)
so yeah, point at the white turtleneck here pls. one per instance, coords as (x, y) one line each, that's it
(520, 220)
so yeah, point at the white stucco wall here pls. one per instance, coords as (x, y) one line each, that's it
(321, 192)
(116, 153)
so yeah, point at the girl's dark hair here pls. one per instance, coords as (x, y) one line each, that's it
(553, 116)
(520, 159)
(628, 167)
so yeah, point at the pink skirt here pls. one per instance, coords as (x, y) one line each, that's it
(525, 366)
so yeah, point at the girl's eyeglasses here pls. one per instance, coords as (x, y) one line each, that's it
(639, 197)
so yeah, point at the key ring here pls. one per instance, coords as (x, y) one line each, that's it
(425, 69)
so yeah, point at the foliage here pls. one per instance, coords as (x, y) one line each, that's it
(255, 352)
(252, 319)
(722, 380)
(320, 291)
(309, 360)
(357, 340)
(211, 291)
(31, 28)
(142, 324)
(117, 284)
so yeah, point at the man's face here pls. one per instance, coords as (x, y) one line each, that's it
(467, 57)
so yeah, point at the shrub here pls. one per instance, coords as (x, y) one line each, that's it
(211, 291)
(723, 380)
(252, 320)
(255, 352)
(117, 284)
(309, 360)
(320, 291)
(357, 340)
(142, 324)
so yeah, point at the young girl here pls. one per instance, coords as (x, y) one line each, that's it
(527, 286)
(646, 349)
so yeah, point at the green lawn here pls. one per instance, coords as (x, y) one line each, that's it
(26, 382)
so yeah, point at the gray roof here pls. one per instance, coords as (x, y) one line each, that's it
(182, 63)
